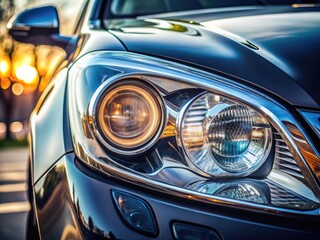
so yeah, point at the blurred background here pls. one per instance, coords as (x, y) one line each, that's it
(26, 70)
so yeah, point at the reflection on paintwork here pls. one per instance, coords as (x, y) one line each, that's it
(264, 192)
(69, 207)
(149, 26)
(281, 35)
(51, 204)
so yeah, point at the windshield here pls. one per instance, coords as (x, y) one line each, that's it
(133, 8)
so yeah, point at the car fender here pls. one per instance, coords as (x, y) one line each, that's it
(50, 137)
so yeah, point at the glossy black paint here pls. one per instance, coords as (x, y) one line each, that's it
(280, 57)
(94, 40)
(49, 126)
(79, 204)
(52, 109)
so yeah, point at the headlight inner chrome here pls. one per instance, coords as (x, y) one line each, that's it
(223, 137)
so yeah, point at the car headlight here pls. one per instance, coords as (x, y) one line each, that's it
(129, 116)
(189, 133)
(224, 137)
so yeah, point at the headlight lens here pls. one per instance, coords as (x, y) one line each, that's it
(230, 131)
(223, 137)
(129, 115)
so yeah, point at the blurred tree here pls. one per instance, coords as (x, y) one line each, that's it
(24, 68)
(6, 97)
(6, 10)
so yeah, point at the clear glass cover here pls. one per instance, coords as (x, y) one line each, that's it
(127, 114)
(223, 138)
(230, 131)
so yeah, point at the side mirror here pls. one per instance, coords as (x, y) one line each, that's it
(38, 26)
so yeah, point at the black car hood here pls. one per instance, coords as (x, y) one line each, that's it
(277, 49)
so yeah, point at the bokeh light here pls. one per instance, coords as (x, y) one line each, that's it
(3, 127)
(5, 83)
(17, 89)
(16, 127)
(18, 130)
(28, 74)
(5, 66)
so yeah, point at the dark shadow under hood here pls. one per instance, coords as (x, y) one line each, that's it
(276, 49)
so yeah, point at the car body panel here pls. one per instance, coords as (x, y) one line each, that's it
(79, 204)
(268, 55)
(95, 40)
(50, 127)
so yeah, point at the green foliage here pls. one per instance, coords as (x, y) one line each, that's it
(10, 143)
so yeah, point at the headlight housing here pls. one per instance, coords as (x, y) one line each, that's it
(203, 137)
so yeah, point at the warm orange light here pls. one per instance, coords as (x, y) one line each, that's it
(5, 66)
(26, 73)
(5, 83)
(16, 127)
(17, 89)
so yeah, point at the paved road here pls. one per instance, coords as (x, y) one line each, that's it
(14, 205)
